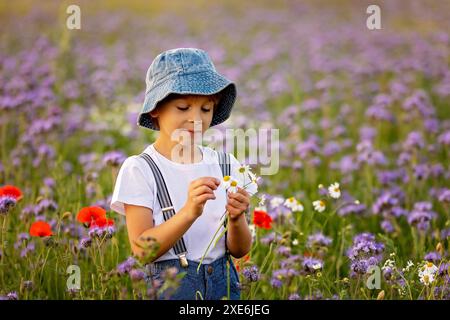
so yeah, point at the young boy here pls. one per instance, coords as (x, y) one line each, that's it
(172, 191)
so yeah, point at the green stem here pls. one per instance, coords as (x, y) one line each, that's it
(209, 245)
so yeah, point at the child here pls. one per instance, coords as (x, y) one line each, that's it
(172, 191)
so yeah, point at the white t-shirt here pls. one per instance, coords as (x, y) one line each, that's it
(136, 185)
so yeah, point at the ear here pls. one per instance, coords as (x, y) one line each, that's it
(154, 113)
(153, 116)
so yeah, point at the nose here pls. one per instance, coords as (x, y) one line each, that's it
(195, 116)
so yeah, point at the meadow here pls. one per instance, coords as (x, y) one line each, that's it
(366, 109)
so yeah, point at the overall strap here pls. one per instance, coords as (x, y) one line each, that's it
(225, 167)
(166, 205)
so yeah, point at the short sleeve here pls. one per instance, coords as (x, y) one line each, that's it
(134, 185)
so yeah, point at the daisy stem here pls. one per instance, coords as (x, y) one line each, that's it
(209, 245)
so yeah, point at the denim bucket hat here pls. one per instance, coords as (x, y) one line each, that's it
(185, 71)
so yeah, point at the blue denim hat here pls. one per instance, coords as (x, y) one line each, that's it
(185, 71)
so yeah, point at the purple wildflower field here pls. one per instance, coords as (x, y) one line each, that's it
(364, 132)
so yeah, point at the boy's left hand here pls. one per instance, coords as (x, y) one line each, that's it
(237, 203)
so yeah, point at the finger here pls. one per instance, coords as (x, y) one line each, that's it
(212, 182)
(243, 192)
(239, 197)
(202, 189)
(232, 211)
(237, 205)
(204, 197)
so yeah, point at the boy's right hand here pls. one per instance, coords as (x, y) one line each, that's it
(200, 191)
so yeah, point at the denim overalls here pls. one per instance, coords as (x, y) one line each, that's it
(211, 282)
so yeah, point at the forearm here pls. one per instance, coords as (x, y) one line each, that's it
(239, 237)
(169, 232)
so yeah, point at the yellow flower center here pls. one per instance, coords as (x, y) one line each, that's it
(226, 178)
(233, 183)
(429, 264)
(336, 189)
(241, 169)
(322, 204)
(426, 278)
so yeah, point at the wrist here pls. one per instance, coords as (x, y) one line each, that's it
(235, 220)
(189, 214)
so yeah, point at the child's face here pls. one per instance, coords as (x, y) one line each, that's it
(183, 112)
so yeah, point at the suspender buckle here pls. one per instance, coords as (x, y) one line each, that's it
(167, 209)
(183, 261)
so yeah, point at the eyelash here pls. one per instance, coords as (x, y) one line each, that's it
(184, 109)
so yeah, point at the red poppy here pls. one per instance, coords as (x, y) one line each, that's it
(11, 191)
(40, 229)
(90, 214)
(102, 222)
(261, 219)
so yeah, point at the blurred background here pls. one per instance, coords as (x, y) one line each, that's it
(368, 108)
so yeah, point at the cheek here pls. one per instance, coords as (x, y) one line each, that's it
(207, 118)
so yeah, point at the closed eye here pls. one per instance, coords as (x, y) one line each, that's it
(185, 108)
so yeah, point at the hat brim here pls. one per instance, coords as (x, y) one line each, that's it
(202, 83)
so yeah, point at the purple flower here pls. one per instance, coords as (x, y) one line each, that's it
(318, 240)
(12, 296)
(433, 257)
(137, 274)
(421, 216)
(251, 274)
(114, 158)
(85, 242)
(284, 251)
(126, 266)
(352, 208)
(294, 296)
(280, 275)
(367, 154)
(271, 237)
(6, 203)
(387, 226)
(46, 205)
(311, 265)
(414, 141)
(364, 253)
(444, 138)
(276, 283)
(444, 196)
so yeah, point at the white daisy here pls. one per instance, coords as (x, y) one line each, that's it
(427, 278)
(262, 200)
(427, 273)
(234, 184)
(430, 268)
(246, 179)
(293, 204)
(231, 184)
(334, 190)
(243, 169)
(251, 188)
(317, 266)
(319, 205)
